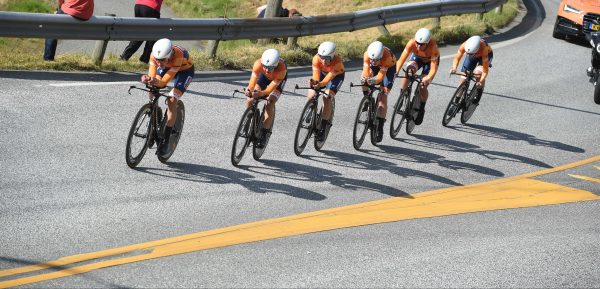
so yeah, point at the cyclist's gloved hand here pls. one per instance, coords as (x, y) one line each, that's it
(248, 92)
(479, 84)
(314, 84)
(426, 81)
(363, 79)
(145, 78)
(453, 70)
(371, 81)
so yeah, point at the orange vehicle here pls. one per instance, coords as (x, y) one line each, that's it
(577, 18)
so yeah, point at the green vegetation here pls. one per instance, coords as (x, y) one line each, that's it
(241, 54)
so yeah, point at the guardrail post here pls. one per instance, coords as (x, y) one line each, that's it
(479, 16)
(384, 31)
(293, 40)
(212, 48)
(100, 48)
(272, 10)
(499, 9)
(436, 22)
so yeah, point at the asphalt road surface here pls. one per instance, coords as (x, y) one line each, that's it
(445, 207)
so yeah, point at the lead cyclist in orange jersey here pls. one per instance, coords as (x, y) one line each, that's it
(478, 60)
(269, 74)
(328, 71)
(424, 54)
(169, 62)
(379, 66)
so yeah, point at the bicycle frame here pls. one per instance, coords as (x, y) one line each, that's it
(156, 94)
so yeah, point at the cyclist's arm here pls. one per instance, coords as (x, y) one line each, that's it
(486, 63)
(254, 77)
(316, 68)
(435, 62)
(407, 51)
(458, 56)
(387, 62)
(152, 67)
(366, 66)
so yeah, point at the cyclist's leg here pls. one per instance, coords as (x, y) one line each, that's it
(424, 95)
(332, 89)
(182, 81)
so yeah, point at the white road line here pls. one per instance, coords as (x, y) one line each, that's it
(91, 83)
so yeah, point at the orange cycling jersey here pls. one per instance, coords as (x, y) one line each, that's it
(387, 60)
(276, 76)
(335, 68)
(431, 55)
(179, 61)
(483, 53)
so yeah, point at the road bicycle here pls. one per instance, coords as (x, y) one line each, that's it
(366, 116)
(148, 127)
(310, 122)
(249, 131)
(407, 104)
(462, 99)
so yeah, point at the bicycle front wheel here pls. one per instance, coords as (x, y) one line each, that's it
(320, 143)
(412, 107)
(361, 122)
(241, 140)
(305, 127)
(469, 106)
(176, 132)
(256, 151)
(454, 104)
(139, 133)
(399, 114)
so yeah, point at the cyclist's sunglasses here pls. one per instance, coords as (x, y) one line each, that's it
(327, 58)
(161, 59)
(270, 67)
(420, 44)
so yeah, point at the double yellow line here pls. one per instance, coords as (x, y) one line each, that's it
(508, 193)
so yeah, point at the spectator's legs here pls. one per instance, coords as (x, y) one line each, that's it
(144, 12)
(51, 44)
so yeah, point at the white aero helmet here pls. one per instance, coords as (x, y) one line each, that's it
(270, 58)
(375, 50)
(162, 49)
(472, 44)
(326, 50)
(423, 35)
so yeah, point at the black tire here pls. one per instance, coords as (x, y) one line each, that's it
(361, 122)
(319, 144)
(469, 106)
(242, 137)
(597, 93)
(398, 115)
(305, 127)
(374, 121)
(137, 140)
(454, 104)
(556, 32)
(175, 134)
(258, 152)
(414, 104)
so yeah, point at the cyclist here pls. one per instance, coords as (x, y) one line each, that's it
(379, 66)
(169, 62)
(479, 60)
(424, 53)
(269, 74)
(328, 71)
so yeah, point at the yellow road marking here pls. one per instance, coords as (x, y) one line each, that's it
(586, 178)
(508, 193)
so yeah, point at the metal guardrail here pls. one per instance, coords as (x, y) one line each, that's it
(35, 25)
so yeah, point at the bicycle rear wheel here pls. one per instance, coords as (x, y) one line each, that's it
(469, 106)
(398, 115)
(320, 143)
(176, 132)
(258, 152)
(413, 113)
(454, 104)
(242, 137)
(361, 122)
(305, 127)
(137, 140)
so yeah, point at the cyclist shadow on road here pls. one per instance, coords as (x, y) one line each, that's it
(300, 172)
(213, 175)
(463, 147)
(363, 162)
(500, 133)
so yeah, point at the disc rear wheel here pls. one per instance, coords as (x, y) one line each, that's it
(175, 133)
